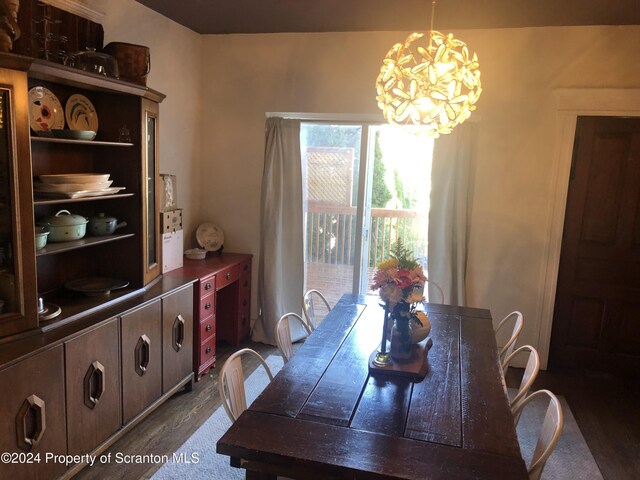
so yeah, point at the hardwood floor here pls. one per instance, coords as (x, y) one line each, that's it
(607, 411)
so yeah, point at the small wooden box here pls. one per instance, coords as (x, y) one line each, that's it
(171, 221)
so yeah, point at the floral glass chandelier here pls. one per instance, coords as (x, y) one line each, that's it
(430, 81)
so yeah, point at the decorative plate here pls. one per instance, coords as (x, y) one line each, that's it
(210, 237)
(94, 286)
(81, 193)
(45, 111)
(80, 113)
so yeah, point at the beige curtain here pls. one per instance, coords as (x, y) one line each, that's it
(281, 264)
(450, 211)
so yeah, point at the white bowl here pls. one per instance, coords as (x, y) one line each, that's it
(195, 254)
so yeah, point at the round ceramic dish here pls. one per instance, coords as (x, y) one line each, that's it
(80, 113)
(45, 111)
(65, 226)
(210, 237)
(195, 254)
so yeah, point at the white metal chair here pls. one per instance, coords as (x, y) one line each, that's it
(283, 334)
(508, 348)
(438, 288)
(308, 309)
(549, 433)
(231, 382)
(529, 375)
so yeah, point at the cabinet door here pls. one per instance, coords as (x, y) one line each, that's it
(18, 297)
(32, 419)
(151, 179)
(92, 365)
(177, 337)
(141, 359)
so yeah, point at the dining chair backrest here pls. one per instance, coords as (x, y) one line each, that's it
(308, 306)
(508, 347)
(283, 334)
(231, 382)
(439, 290)
(529, 375)
(549, 432)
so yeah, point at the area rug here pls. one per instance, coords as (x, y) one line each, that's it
(571, 459)
(202, 444)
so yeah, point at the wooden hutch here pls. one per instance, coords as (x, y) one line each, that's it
(75, 383)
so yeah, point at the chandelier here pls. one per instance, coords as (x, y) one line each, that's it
(430, 81)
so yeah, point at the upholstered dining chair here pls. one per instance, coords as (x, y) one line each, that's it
(508, 347)
(549, 432)
(231, 382)
(308, 308)
(283, 334)
(529, 375)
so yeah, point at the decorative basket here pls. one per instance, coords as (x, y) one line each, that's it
(134, 61)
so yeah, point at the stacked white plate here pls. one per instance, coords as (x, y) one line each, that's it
(75, 185)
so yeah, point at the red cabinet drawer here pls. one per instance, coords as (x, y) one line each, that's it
(207, 328)
(207, 306)
(207, 285)
(227, 276)
(208, 350)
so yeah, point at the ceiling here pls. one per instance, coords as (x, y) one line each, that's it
(271, 16)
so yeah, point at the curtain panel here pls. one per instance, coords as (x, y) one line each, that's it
(452, 179)
(281, 263)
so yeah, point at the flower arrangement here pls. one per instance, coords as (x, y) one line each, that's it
(400, 280)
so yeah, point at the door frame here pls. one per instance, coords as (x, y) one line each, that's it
(570, 104)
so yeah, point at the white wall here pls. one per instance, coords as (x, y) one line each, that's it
(244, 76)
(175, 71)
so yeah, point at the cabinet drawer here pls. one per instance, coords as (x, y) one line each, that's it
(208, 350)
(207, 306)
(207, 328)
(227, 276)
(207, 285)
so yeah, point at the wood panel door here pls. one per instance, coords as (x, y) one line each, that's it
(596, 322)
(93, 387)
(177, 337)
(32, 419)
(141, 359)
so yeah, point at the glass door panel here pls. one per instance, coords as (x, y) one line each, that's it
(8, 299)
(331, 167)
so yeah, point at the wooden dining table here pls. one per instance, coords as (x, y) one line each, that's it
(325, 416)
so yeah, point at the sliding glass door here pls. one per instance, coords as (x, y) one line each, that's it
(366, 185)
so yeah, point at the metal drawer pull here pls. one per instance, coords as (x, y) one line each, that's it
(178, 333)
(31, 413)
(142, 353)
(94, 384)
(207, 351)
(207, 328)
(207, 306)
(228, 275)
(207, 286)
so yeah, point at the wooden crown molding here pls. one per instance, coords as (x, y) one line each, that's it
(77, 8)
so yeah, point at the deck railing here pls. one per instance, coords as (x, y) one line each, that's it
(331, 233)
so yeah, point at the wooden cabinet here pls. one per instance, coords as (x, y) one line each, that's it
(32, 416)
(177, 337)
(141, 359)
(76, 382)
(222, 303)
(92, 365)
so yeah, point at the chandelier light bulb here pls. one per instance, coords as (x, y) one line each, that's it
(431, 81)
